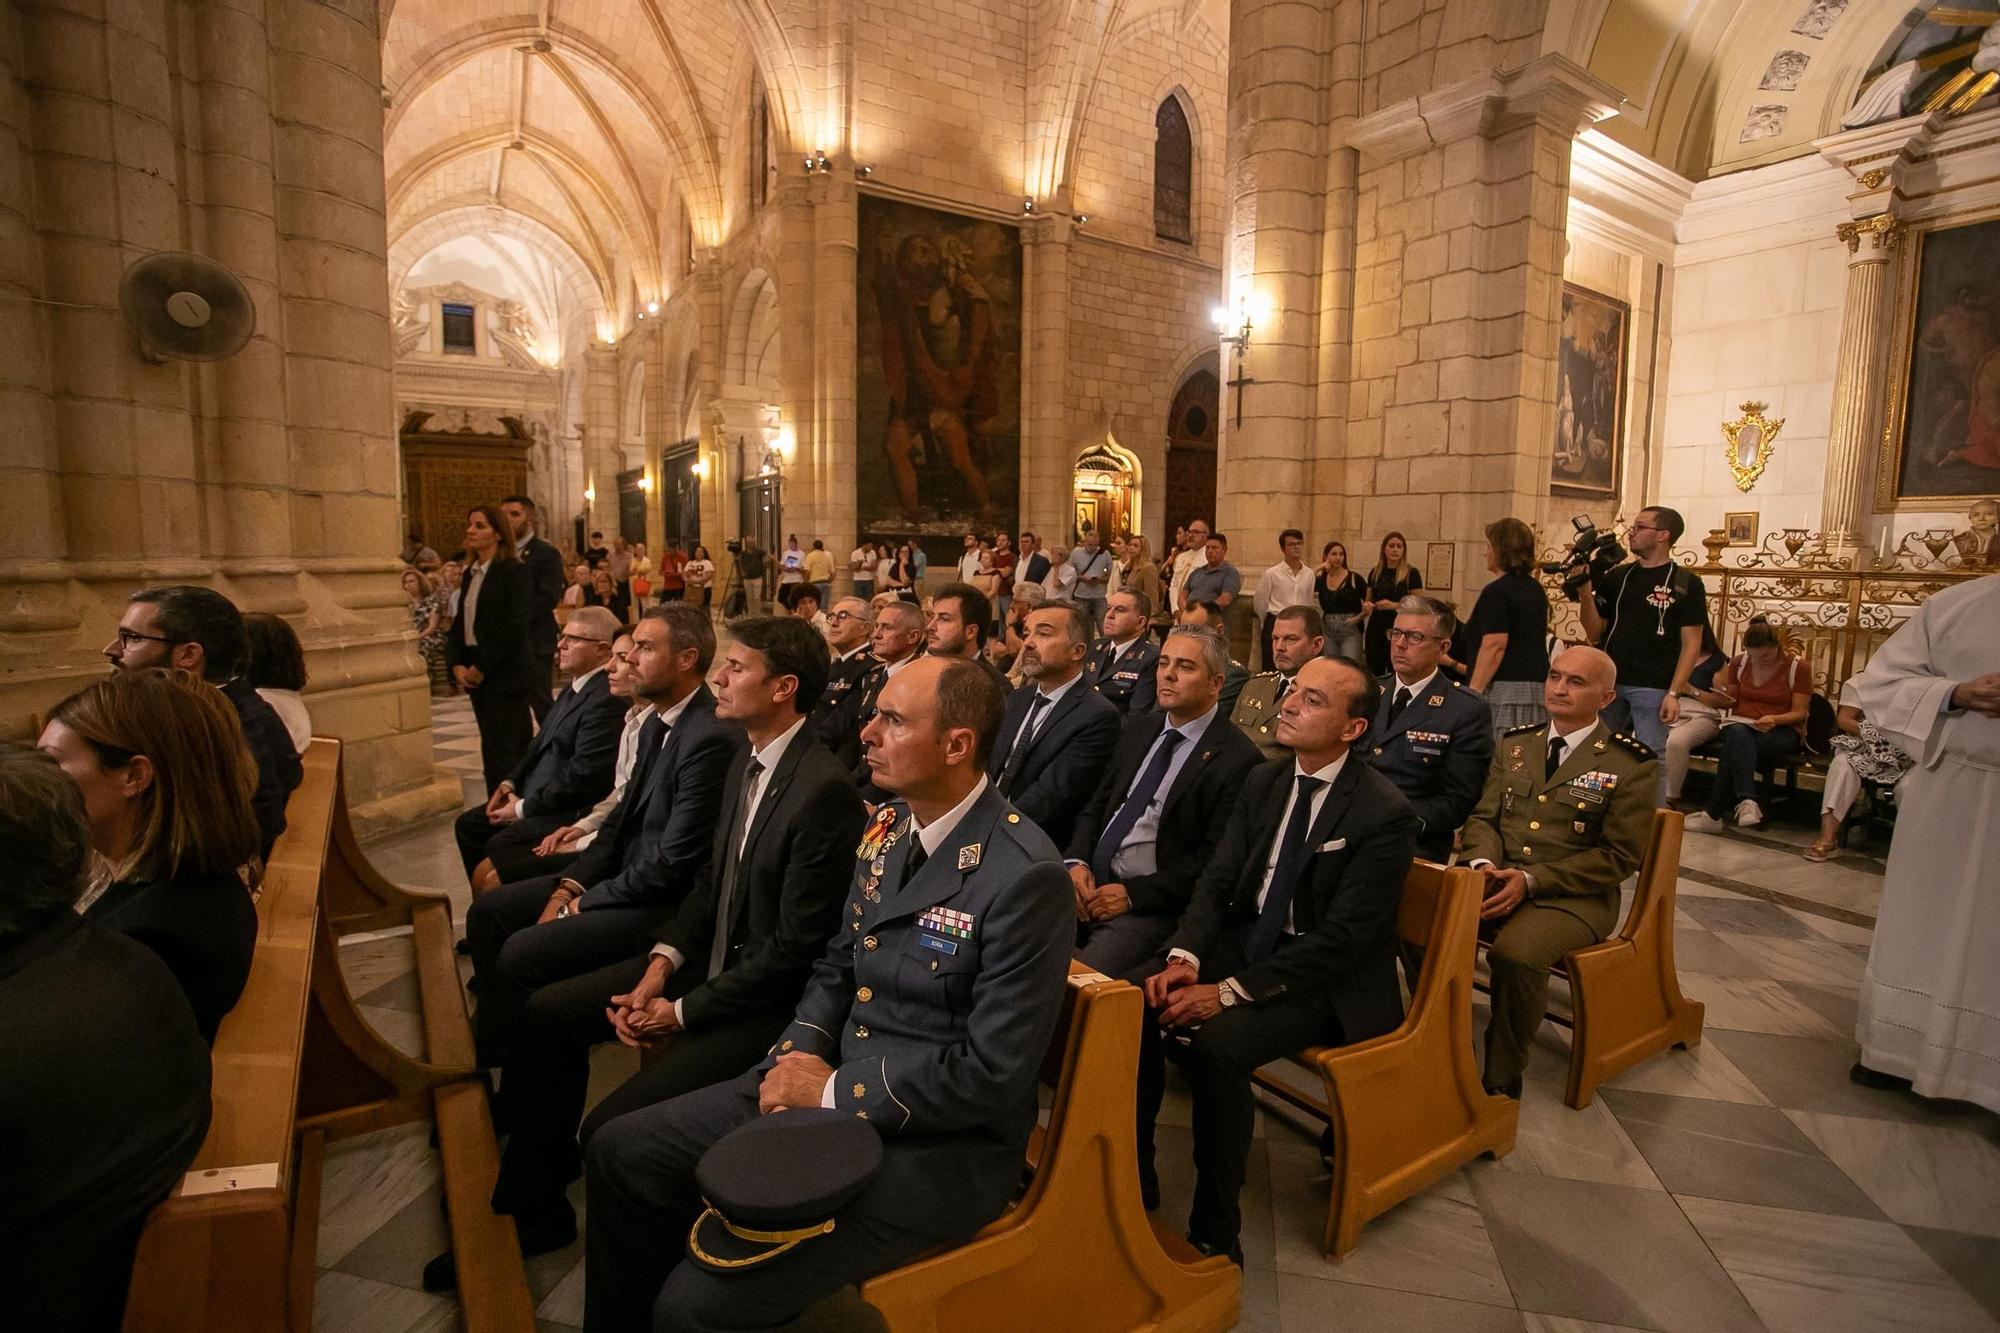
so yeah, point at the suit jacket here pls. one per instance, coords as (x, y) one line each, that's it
(1344, 908)
(203, 927)
(104, 1104)
(570, 766)
(1037, 568)
(1578, 833)
(1437, 752)
(546, 581)
(790, 880)
(1065, 760)
(936, 1003)
(502, 623)
(1193, 818)
(278, 767)
(1132, 686)
(654, 845)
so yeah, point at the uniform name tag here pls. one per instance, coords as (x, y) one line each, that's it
(943, 946)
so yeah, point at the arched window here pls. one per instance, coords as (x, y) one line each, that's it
(760, 140)
(1173, 172)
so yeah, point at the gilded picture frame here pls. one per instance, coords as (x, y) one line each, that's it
(1747, 443)
(1740, 528)
(1931, 456)
(1439, 558)
(1588, 452)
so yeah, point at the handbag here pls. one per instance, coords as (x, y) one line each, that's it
(642, 586)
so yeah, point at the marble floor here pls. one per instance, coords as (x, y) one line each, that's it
(1744, 1184)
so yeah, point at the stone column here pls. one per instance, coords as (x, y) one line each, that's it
(835, 219)
(805, 476)
(601, 462)
(1048, 453)
(1857, 385)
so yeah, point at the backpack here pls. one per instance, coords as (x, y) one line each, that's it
(1821, 725)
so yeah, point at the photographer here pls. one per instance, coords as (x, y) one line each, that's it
(1647, 615)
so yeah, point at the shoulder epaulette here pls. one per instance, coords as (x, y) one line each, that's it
(1525, 728)
(1264, 675)
(1637, 747)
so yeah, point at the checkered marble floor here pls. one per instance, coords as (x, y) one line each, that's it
(1745, 1184)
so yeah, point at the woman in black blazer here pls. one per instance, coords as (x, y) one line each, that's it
(487, 646)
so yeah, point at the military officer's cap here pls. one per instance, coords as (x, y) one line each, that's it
(778, 1182)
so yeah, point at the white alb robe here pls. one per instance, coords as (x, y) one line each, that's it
(1930, 1000)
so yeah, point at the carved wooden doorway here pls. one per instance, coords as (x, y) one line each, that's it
(1191, 452)
(446, 472)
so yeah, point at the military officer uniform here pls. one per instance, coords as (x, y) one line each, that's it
(934, 1003)
(829, 721)
(1125, 674)
(1434, 740)
(1578, 829)
(1256, 712)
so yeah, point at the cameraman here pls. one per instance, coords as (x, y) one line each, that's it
(1647, 615)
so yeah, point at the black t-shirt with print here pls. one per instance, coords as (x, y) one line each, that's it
(1644, 612)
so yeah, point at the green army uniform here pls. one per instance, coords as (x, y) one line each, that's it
(1578, 833)
(1256, 712)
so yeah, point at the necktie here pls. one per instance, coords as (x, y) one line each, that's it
(1270, 923)
(718, 949)
(1399, 703)
(1136, 803)
(1556, 748)
(1284, 688)
(913, 860)
(1024, 738)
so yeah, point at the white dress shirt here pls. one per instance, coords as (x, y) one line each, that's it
(1039, 717)
(1416, 690)
(1138, 854)
(1280, 587)
(469, 586)
(628, 756)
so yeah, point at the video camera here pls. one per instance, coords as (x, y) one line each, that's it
(1591, 556)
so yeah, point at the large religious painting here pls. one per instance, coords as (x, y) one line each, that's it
(1943, 437)
(938, 380)
(1590, 395)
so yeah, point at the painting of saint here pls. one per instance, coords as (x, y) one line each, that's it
(1590, 395)
(939, 372)
(1950, 438)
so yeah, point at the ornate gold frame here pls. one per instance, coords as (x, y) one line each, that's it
(1902, 347)
(1767, 431)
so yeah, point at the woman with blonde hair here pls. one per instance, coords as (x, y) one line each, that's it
(166, 780)
(1140, 573)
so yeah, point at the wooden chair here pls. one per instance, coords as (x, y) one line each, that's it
(1625, 996)
(296, 1065)
(1078, 1251)
(1407, 1108)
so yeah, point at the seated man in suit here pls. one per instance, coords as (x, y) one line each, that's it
(1290, 940)
(848, 627)
(895, 637)
(568, 768)
(956, 627)
(929, 1016)
(1141, 843)
(1120, 665)
(1057, 737)
(725, 972)
(1433, 737)
(1565, 817)
(1208, 615)
(1295, 641)
(608, 905)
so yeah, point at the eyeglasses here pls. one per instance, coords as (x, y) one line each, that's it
(576, 638)
(129, 637)
(1643, 527)
(1412, 636)
(850, 615)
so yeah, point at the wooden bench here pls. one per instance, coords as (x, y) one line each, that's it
(295, 1065)
(1078, 1251)
(1407, 1108)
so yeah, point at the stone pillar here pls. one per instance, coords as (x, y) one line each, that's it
(1048, 453)
(601, 462)
(1857, 385)
(805, 476)
(835, 219)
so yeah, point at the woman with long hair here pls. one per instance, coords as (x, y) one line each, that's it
(427, 618)
(275, 666)
(1392, 579)
(1140, 573)
(487, 645)
(1509, 629)
(1342, 595)
(903, 574)
(166, 780)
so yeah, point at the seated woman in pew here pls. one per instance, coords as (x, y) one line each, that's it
(1772, 693)
(105, 1099)
(1860, 753)
(166, 779)
(276, 669)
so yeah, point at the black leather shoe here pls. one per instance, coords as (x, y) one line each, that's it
(441, 1273)
(539, 1235)
(1233, 1250)
(1149, 1189)
(1875, 1078)
(1509, 1089)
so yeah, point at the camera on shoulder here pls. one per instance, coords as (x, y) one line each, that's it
(1592, 555)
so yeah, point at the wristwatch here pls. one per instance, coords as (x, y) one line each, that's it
(1225, 995)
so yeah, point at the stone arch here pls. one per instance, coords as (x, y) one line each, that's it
(752, 341)
(632, 403)
(422, 235)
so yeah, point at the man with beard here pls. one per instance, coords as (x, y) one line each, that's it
(1056, 739)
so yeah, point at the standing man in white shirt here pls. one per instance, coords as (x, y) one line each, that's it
(1287, 583)
(1193, 553)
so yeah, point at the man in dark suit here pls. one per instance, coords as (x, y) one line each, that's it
(568, 768)
(1292, 640)
(1290, 940)
(546, 581)
(607, 906)
(896, 640)
(1121, 664)
(956, 627)
(929, 1015)
(1432, 737)
(1057, 737)
(725, 970)
(1032, 565)
(200, 630)
(1142, 842)
(105, 1099)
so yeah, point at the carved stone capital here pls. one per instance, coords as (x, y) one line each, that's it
(1552, 91)
(1882, 231)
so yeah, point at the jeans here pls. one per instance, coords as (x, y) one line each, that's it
(1744, 750)
(1647, 727)
(1698, 725)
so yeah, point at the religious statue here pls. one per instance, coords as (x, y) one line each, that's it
(937, 357)
(1982, 541)
(1931, 57)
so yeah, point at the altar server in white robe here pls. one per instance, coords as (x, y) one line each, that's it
(1930, 1001)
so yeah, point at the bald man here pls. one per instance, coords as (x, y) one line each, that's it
(1565, 816)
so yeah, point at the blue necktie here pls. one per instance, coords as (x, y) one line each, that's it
(1270, 923)
(1136, 801)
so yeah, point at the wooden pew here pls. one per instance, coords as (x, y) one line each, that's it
(1078, 1251)
(1407, 1108)
(295, 1066)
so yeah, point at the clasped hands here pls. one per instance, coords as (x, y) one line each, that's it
(1094, 901)
(501, 808)
(1505, 891)
(1176, 991)
(641, 1017)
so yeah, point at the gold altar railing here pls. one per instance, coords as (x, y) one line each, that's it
(1833, 608)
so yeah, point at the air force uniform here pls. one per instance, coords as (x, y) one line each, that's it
(1127, 675)
(1436, 747)
(934, 1004)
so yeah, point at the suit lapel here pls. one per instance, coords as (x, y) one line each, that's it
(774, 793)
(1333, 810)
(942, 874)
(1577, 761)
(1058, 710)
(1267, 832)
(1205, 748)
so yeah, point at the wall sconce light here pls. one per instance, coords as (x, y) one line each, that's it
(646, 482)
(863, 172)
(816, 161)
(590, 495)
(699, 467)
(642, 314)
(1027, 206)
(1220, 316)
(1082, 218)
(652, 307)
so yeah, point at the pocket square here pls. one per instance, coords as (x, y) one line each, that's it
(1333, 846)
